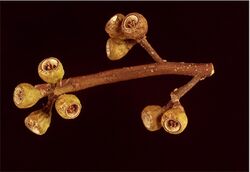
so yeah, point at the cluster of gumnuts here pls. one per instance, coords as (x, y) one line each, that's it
(124, 32)
(68, 106)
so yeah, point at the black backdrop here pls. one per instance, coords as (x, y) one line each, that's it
(109, 134)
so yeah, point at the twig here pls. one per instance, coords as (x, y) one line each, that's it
(124, 32)
(146, 45)
(179, 92)
(127, 73)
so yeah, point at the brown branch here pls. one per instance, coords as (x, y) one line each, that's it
(179, 92)
(132, 27)
(127, 73)
(146, 45)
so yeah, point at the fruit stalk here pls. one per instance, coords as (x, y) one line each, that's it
(151, 51)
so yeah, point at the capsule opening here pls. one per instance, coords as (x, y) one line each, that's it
(172, 125)
(131, 21)
(73, 110)
(18, 95)
(49, 64)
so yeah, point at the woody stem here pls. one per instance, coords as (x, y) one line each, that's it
(151, 51)
(127, 73)
(179, 92)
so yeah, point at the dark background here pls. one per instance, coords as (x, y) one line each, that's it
(109, 134)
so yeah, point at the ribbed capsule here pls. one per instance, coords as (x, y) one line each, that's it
(68, 106)
(117, 48)
(25, 95)
(134, 26)
(38, 122)
(51, 70)
(113, 26)
(151, 117)
(174, 120)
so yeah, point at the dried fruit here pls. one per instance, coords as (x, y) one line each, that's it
(134, 26)
(151, 117)
(51, 70)
(116, 48)
(113, 26)
(174, 120)
(68, 106)
(25, 95)
(38, 121)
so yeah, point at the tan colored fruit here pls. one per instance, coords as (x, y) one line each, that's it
(38, 122)
(134, 26)
(117, 49)
(174, 120)
(151, 117)
(68, 106)
(51, 70)
(25, 95)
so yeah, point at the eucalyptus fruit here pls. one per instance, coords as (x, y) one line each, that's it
(51, 70)
(113, 26)
(134, 26)
(68, 106)
(38, 121)
(25, 95)
(174, 120)
(151, 117)
(117, 48)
